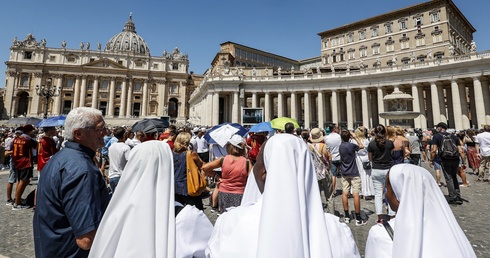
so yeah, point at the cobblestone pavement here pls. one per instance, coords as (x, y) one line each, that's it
(17, 239)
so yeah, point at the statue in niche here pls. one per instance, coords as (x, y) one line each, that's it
(266, 71)
(99, 46)
(412, 57)
(63, 44)
(347, 65)
(81, 45)
(43, 42)
(332, 68)
(292, 69)
(473, 46)
(378, 62)
(361, 63)
(88, 45)
(279, 69)
(318, 71)
(254, 72)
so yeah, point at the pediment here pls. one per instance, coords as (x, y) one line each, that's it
(104, 63)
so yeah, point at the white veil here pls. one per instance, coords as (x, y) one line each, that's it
(426, 226)
(140, 218)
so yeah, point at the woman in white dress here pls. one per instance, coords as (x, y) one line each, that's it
(140, 220)
(367, 187)
(425, 225)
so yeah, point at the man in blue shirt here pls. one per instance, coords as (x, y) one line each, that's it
(72, 195)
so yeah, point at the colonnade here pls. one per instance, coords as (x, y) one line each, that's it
(462, 103)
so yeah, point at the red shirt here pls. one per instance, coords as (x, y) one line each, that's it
(22, 155)
(47, 148)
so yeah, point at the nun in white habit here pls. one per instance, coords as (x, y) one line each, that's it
(140, 219)
(425, 225)
(287, 220)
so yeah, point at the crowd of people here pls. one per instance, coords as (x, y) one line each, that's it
(265, 186)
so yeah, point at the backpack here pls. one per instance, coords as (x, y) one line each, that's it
(449, 150)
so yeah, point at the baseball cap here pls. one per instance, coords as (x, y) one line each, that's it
(235, 140)
(203, 129)
(195, 130)
(442, 125)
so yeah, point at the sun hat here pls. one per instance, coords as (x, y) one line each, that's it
(316, 135)
(235, 140)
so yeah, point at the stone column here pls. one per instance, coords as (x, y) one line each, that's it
(416, 104)
(321, 108)
(335, 107)
(422, 117)
(215, 108)
(436, 108)
(76, 93)
(12, 80)
(307, 107)
(365, 108)
(122, 108)
(280, 104)
(162, 98)
(95, 95)
(209, 106)
(267, 107)
(144, 104)
(294, 113)
(57, 99)
(458, 121)
(254, 99)
(350, 114)
(486, 100)
(444, 114)
(129, 103)
(112, 93)
(234, 112)
(381, 105)
(83, 91)
(479, 103)
(464, 106)
(34, 105)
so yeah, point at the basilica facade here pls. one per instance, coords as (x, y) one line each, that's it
(119, 78)
(425, 51)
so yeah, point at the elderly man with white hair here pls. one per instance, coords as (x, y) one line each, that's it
(72, 195)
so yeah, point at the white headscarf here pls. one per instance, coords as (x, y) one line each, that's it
(426, 226)
(140, 219)
(292, 222)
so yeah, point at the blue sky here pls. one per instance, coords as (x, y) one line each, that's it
(287, 28)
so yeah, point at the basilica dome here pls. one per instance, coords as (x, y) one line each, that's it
(128, 41)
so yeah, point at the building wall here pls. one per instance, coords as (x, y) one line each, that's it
(121, 85)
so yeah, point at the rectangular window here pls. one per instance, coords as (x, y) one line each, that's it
(403, 25)
(374, 32)
(28, 55)
(435, 17)
(362, 34)
(363, 52)
(325, 44)
(175, 66)
(350, 38)
(388, 28)
(437, 38)
(70, 59)
(334, 42)
(90, 85)
(404, 44)
(417, 21)
(375, 50)
(120, 62)
(341, 41)
(92, 59)
(155, 66)
(52, 58)
(352, 55)
(390, 48)
(174, 89)
(420, 42)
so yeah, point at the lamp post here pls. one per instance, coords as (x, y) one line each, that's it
(48, 91)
